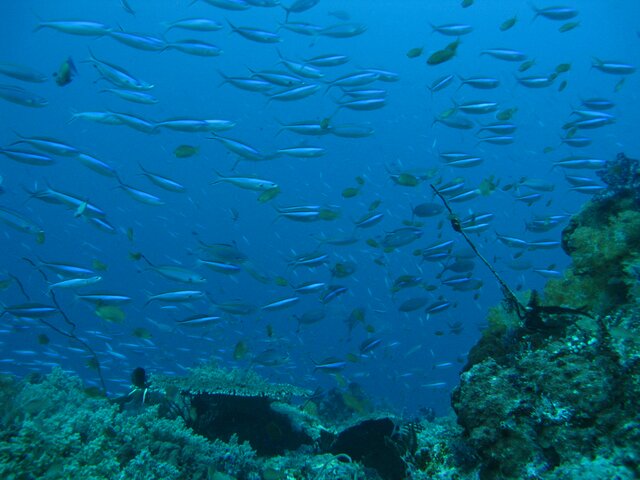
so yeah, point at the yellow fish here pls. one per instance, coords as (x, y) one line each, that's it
(110, 313)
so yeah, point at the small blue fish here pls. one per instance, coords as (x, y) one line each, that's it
(330, 365)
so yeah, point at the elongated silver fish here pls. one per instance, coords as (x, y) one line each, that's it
(196, 47)
(74, 27)
(22, 72)
(163, 182)
(176, 296)
(141, 196)
(29, 310)
(118, 76)
(139, 41)
(256, 35)
(132, 95)
(23, 97)
(76, 282)
(29, 158)
(196, 24)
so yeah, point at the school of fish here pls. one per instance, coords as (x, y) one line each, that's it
(251, 182)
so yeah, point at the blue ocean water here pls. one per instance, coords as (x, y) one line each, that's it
(417, 360)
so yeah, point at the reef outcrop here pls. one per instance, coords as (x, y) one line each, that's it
(560, 398)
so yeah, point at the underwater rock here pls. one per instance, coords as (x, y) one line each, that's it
(557, 396)
(378, 444)
(603, 241)
(573, 398)
(220, 404)
(622, 176)
(249, 418)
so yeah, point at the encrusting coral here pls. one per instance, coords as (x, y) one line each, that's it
(559, 397)
(52, 429)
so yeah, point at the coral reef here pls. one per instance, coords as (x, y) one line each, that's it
(52, 429)
(240, 383)
(557, 395)
(622, 177)
(603, 241)
(571, 398)
(223, 403)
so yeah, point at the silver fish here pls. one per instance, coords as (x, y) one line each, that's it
(23, 97)
(91, 29)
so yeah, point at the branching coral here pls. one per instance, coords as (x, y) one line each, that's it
(57, 431)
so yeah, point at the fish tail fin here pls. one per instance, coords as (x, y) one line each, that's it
(39, 18)
(92, 57)
(278, 217)
(21, 137)
(536, 10)
(279, 122)
(220, 177)
(32, 193)
(147, 260)
(225, 78)
(149, 297)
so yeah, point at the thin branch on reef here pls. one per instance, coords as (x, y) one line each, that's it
(72, 327)
(510, 297)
